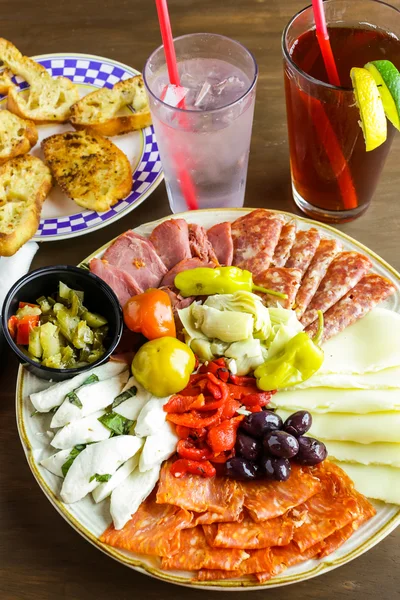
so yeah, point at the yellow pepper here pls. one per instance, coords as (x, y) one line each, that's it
(163, 366)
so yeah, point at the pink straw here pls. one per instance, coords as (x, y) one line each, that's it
(187, 185)
(324, 43)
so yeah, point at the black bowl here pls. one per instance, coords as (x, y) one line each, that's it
(99, 297)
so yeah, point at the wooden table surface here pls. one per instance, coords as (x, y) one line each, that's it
(41, 556)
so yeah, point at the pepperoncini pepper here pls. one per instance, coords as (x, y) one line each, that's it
(301, 358)
(223, 280)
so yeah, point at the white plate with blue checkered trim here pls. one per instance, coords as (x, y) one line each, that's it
(61, 218)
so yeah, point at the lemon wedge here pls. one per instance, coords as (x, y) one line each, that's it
(387, 78)
(369, 102)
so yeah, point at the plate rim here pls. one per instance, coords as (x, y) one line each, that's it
(323, 566)
(152, 187)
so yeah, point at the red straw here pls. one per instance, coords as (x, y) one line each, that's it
(324, 43)
(187, 185)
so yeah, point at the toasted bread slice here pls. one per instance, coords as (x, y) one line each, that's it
(88, 168)
(17, 136)
(49, 100)
(5, 81)
(97, 112)
(24, 184)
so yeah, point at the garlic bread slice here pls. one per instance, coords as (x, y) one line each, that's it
(98, 111)
(24, 184)
(89, 168)
(17, 136)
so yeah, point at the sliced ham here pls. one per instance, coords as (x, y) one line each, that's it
(123, 285)
(280, 279)
(200, 245)
(284, 246)
(303, 250)
(255, 237)
(171, 241)
(137, 256)
(185, 265)
(221, 240)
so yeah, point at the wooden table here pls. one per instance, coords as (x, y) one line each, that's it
(41, 556)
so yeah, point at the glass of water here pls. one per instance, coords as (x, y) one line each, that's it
(205, 136)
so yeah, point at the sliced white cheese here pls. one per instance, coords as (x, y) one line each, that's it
(131, 408)
(158, 447)
(83, 431)
(370, 344)
(385, 379)
(104, 489)
(322, 400)
(380, 453)
(54, 396)
(127, 497)
(102, 458)
(54, 462)
(151, 417)
(375, 481)
(93, 397)
(364, 429)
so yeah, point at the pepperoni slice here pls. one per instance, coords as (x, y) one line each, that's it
(284, 245)
(324, 255)
(255, 237)
(371, 290)
(280, 279)
(303, 250)
(344, 272)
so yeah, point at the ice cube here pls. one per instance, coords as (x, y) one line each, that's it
(205, 89)
(231, 84)
(174, 95)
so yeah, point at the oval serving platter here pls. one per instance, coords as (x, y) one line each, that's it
(61, 217)
(91, 519)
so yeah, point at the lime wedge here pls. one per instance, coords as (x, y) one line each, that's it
(372, 114)
(387, 78)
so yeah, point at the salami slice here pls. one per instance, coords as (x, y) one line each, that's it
(198, 494)
(255, 237)
(274, 498)
(324, 255)
(196, 554)
(232, 513)
(371, 290)
(284, 245)
(344, 272)
(216, 575)
(221, 240)
(280, 279)
(153, 529)
(250, 535)
(303, 250)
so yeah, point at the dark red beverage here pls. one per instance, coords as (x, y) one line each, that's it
(333, 176)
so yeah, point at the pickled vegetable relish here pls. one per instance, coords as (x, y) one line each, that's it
(59, 331)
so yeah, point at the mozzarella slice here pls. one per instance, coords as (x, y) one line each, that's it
(83, 431)
(93, 397)
(54, 396)
(323, 399)
(370, 344)
(127, 497)
(364, 429)
(102, 458)
(131, 408)
(158, 447)
(380, 453)
(54, 462)
(151, 417)
(385, 379)
(104, 489)
(375, 481)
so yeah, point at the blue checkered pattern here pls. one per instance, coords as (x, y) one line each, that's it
(99, 73)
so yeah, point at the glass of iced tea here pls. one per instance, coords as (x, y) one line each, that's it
(333, 177)
(206, 136)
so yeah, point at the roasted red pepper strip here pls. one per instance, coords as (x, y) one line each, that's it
(182, 404)
(195, 419)
(223, 436)
(254, 409)
(239, 391)
(237, 380)
(222, 374)
(230, 408)
(186, 449)
(12, 326)
(203, 468)
(222, 457)
(194, 435)
(257, 399)
(25, 326)
(22, 304)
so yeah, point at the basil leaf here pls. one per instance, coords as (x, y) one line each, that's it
(116, 423)
(73, 397)
(124, 396)
(72, 456)
(34, 413)
(100, 478)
